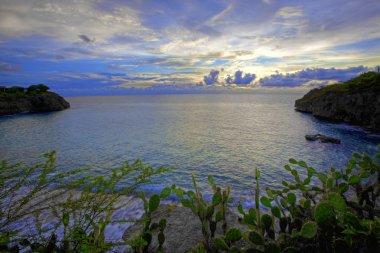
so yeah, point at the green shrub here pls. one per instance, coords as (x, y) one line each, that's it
(83, 214)
(336, 210)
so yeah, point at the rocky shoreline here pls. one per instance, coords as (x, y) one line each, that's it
(183, 231)
(44, 102)
(356, 102)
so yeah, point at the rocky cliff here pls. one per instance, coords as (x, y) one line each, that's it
(44, 102)
(356, 101)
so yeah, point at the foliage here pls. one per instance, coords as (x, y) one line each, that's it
(82, 215)
(15, 92)
(142, 241)
(335, 210)
(209, 214)
(38, 88)
(329, 211)
(369, 81)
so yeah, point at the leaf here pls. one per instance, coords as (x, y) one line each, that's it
(284, 183)
(209, 212)
(217, 198)
(265, 201)
(337, 201)
(343, 187)
(267, 221)
(284, 203)
(291, 198)
(178, 192)
(322, 177)
(256, 238)
(307, 204)
(191, 194)
(365, 175)
(161, 238)
(240, 208)
(276, 212)
(65, 219)
(288, 168)
(324, 213)
(220, 244)
(257, 173)
(354, 179)
(154, 202)
(337, 175)
(310, 171)
(293, 161)
(309, 229)
(218, 216)
(233, 234)
(162, 224)
(250, 217)
(210, 179)
(186, 203)
(330, 183)
(165, 192)
(302, 164)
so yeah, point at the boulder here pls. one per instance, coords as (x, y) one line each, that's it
(322, 138)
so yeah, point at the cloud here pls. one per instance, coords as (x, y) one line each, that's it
(239, 79)
(211, 78)
(289, 12)
(86, 39)
(7, 67)
(311, 77)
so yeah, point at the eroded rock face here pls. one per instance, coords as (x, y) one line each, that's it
(46, 102)
(360, 108)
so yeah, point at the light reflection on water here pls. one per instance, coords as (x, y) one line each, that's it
(226, 135)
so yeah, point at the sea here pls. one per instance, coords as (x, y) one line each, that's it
(224, 135)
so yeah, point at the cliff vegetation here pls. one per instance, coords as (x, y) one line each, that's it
(356, 101)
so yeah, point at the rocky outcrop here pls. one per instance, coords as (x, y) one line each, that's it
(359, 105)
(322, 138)
(44, 102)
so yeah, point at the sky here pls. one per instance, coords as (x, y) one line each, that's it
(100, 47)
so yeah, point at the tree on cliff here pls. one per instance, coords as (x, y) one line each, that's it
(38, 88)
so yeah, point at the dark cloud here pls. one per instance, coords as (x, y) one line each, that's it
(86, 39)
(308, 75)
(7, 67)
(212, 77)
(239, 79)
(78, 51)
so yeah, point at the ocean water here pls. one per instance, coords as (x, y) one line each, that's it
(225, 135)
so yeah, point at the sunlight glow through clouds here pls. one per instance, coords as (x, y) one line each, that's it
(176, 43)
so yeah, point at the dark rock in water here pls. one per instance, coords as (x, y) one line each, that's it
(183, 230)
(44, 102)
(356, 101)
(322, 138)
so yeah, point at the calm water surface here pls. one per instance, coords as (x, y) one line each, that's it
(226, 135)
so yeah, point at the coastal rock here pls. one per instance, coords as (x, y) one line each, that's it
(356, 102)
(183, 230)
(322, 138)
(45, 102)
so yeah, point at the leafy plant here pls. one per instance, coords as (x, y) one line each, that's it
(82, 205)
(209, 214)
